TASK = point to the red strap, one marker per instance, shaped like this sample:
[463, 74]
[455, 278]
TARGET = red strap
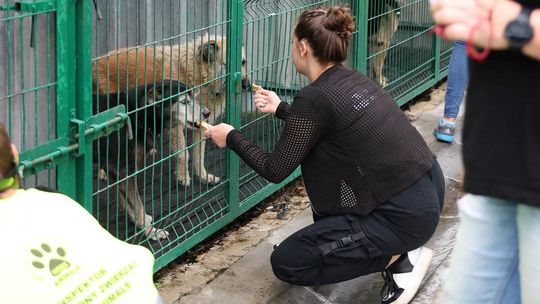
[471, 50]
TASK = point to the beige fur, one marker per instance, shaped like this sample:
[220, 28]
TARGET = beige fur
[379, 43]
[200, 64]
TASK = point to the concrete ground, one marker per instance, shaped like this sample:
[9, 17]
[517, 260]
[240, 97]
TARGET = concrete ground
[236, 268]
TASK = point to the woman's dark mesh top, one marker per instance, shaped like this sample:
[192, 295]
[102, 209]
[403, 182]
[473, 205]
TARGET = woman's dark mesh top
[356, 147]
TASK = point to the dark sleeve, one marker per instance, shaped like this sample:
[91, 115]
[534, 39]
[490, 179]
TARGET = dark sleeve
[283, 110]
[310, 116]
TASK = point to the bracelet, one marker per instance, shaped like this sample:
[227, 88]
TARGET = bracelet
[471, 50]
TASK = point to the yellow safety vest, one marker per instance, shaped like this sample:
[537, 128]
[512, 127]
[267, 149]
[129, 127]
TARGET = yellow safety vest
[53, 251]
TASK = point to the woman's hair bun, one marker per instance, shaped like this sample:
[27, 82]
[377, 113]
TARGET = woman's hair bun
[340, 20]
[327, 31]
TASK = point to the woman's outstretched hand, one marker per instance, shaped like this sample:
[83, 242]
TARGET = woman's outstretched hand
[218, 133]
[266, 101]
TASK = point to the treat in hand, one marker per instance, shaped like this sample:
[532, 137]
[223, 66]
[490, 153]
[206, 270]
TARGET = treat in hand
[256, 88]
[200, 124]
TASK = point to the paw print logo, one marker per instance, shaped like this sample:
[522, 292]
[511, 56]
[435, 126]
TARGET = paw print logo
[45, 257]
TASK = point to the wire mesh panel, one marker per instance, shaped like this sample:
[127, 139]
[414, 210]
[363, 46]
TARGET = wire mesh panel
[445, 53]
[166, 62]
[161, 184]
[401, 48]
[28, 81]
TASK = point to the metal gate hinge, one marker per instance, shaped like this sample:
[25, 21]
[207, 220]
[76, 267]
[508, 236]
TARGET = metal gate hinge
[30, 7]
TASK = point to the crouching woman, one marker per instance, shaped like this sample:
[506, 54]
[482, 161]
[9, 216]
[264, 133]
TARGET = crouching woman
[376, 190]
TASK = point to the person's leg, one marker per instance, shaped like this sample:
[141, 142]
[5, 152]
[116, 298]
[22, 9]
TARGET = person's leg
[302, 258]
[403, 277]
[484, 265]
[455, 90]
[314, 255]
[457, 81]
[529, 252]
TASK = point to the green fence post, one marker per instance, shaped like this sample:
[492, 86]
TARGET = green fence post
[73, 72]
[234, 86]
[437, 59]
[360, 10]
[65, 90]
[83, 97]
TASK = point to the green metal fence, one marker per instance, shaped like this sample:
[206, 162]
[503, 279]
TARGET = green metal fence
[161, 185]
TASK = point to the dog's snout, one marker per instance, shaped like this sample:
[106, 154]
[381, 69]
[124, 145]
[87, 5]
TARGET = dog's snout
[246, 83]
[206, 113]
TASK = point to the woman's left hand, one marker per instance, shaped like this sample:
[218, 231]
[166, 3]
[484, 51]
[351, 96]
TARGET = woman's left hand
[467, 20]
[218, 134]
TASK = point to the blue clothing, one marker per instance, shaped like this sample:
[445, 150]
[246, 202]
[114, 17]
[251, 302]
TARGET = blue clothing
[457, 80]
[495, 257]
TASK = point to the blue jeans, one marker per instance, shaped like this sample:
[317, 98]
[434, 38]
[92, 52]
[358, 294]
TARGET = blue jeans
[458, 75]
[496, 257]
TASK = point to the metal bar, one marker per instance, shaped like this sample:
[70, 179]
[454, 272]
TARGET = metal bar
[31, 7]
[233, 110]
[49, 95]
[192, 241]
[43, 149]
[23, 83]
[416, 91]
[360, 10]
[56, 151]
[437, 55]
[267, 191]
[47, 161]
[83, 97]
[65, 99]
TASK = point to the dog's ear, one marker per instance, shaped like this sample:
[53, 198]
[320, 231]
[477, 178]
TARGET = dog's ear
[167, 88]
[182, 87]
[208, 51]
[170, 88]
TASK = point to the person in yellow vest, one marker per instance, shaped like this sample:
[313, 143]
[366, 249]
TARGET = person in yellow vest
[55, 252]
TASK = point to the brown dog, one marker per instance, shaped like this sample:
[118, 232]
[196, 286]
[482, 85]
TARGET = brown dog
[201, 64]
[120, 158]
[382, 25]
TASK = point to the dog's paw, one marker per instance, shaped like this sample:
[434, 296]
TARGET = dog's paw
[184, 180]
[152, 152]
[383, 81]
[102, 175]
[210, 179]
[157, 234]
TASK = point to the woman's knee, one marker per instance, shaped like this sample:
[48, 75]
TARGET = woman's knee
[292, 268]
[278, 267]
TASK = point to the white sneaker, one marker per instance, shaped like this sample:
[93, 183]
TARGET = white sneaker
[402, 279]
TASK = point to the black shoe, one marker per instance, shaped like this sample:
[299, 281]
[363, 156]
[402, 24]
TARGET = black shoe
[402, 279]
